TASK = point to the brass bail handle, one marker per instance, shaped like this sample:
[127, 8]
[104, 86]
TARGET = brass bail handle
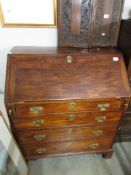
[41, 150]
[40, 136]
[97, 132]
[72, 117]
[103, 107]
[38, 122]
[36, 110]
[100, 119]
[94, 146]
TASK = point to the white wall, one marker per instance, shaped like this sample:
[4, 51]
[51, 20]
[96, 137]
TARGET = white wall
[127, 9]
[10, 37]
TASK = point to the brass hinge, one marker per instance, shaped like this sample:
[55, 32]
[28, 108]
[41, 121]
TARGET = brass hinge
[10, 112]
[126, 103]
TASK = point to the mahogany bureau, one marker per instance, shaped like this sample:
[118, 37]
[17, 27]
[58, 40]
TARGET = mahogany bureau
[65, 101]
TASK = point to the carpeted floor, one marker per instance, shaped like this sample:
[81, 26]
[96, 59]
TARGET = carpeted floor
[87, 164]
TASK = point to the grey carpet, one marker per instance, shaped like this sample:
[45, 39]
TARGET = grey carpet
[87, 164]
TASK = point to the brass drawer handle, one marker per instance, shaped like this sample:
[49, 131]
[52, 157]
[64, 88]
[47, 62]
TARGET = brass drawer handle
[94, 146]
[69, 59]
[41, 150]
[40, 136]
[72, 105]
[100, 119]
[36, 110]
[103, 107]
[97, 132]
[72, 117]
[38, 122]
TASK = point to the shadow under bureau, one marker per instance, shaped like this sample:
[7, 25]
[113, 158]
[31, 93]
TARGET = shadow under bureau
[65, 101]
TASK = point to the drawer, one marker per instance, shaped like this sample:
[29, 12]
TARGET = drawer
[66, 148]
[65, 134]
[66, 120]
[37, 109]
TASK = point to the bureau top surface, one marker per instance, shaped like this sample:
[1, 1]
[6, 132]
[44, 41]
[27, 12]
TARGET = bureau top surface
[38, 74]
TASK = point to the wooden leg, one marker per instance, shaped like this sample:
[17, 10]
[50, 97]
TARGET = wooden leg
[107, 155]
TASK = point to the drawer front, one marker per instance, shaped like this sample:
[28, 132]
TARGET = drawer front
[66, 148]
[65, 134]
[66, 120]
[32, 110]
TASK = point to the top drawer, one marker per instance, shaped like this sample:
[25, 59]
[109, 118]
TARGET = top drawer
[33, 109]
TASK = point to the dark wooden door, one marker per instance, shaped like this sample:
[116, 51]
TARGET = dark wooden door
[125, 46]
[88, 23]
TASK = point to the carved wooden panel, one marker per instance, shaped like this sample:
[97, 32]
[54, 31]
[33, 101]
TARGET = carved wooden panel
[65, 23]
[88, 23]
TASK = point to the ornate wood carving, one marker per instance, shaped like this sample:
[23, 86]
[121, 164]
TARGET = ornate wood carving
[65, 34]
[97, 26]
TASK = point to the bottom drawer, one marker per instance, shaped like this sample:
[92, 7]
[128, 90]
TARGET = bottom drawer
[66, 148]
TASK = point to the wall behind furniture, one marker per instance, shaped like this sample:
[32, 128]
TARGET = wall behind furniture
[127, 10]
[10, 37]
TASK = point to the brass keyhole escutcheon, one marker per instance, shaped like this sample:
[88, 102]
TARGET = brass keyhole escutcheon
[36, 110]
[103, 107]
[72, 105]
[69, 59]
[100, 119]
